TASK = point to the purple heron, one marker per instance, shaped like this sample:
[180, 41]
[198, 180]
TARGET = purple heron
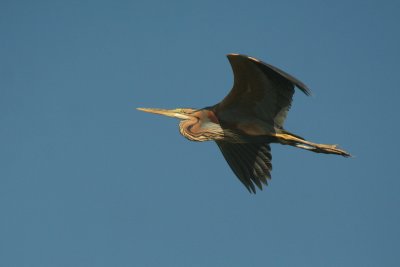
[248, 119]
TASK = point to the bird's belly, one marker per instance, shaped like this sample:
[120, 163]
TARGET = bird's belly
[256, 128]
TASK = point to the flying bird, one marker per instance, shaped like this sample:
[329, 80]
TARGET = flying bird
[248, 120]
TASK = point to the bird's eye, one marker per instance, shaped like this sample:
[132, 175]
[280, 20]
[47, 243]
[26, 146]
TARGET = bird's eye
[184, 111]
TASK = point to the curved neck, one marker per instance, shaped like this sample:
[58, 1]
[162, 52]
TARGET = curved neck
[200, 129]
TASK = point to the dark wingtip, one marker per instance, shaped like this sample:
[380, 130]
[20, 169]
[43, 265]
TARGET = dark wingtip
[252, 191]
[304, 89]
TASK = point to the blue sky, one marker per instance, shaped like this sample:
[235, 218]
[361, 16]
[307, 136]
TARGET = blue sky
[86, 180]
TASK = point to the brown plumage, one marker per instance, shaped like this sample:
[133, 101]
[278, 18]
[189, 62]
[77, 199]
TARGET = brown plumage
[248, 119]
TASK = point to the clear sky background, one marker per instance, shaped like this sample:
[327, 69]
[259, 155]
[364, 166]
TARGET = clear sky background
[86, 180]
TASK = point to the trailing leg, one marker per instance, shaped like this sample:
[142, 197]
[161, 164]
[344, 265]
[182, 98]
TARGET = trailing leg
[288, 139]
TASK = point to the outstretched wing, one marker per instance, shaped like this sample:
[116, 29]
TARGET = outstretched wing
[260, 90]
[251, 162]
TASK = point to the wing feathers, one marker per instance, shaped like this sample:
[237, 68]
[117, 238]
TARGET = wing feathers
[259, 91]
[236, 165]
[251, 162]
[284, 74]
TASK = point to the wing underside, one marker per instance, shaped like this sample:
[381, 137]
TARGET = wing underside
[251, 162]
[259, 91]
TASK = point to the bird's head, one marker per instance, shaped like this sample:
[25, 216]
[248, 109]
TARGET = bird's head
[179, 113]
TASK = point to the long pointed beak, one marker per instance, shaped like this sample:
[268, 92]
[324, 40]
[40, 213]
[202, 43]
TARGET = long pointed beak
[175, 113]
